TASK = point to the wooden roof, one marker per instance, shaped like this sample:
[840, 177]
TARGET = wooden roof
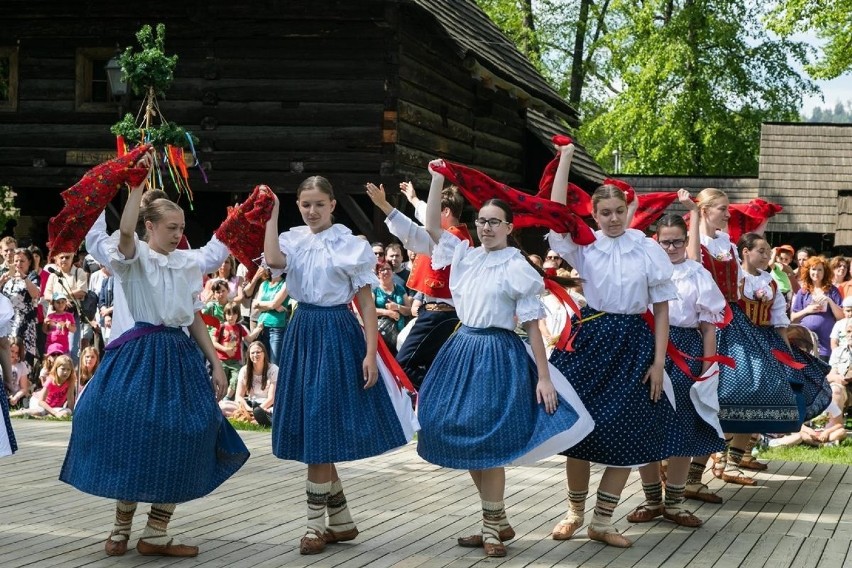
[544, 127]
[492, 55]
[804, 167]
[739, 189]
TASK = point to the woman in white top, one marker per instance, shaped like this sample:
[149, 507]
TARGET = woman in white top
[693, 316]
[330, 407]
[485, 402]
[134, 438]
[255, 383]
[617, 364]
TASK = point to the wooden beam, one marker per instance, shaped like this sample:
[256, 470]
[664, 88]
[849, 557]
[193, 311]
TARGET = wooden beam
[362, 222]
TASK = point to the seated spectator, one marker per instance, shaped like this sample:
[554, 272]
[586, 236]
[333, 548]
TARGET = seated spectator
[840, 376]
[53, 351]
[818, 434]
[838, 332]
[58, 395]
[59, 325]
[18, 385]
[393, 306]
[260, 393]
[89, 361]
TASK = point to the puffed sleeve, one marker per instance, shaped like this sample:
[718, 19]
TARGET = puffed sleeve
[212, 255]
[119, 263]
[778, 314]
[525, 286]
[358, 261]
[565, 247]
[449, 249]
[659, 269]
[711, 303]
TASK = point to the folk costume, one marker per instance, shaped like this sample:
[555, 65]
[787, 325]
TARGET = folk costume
[478, 406]
[168, 451]
[8, 445]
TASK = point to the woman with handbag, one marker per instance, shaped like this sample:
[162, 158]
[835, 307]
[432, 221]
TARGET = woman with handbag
[393, 305]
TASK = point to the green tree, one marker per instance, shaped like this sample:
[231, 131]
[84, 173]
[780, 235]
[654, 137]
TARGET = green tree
[831, 20]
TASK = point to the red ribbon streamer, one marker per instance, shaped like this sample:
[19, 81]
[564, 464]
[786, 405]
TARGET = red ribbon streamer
[787, 359]
[566, 339]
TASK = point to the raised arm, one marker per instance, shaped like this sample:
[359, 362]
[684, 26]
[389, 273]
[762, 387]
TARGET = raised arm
[433, 204]
[271, 249]
[693, 247]
[560, 180]
[130, 216]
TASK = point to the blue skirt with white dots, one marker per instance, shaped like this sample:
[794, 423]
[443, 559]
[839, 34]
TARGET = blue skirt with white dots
[323, 414]
[7, 436]
[816, 390]
[758, 394]
[690, 435]
[478, 410]
[612, 353]
[148, 428]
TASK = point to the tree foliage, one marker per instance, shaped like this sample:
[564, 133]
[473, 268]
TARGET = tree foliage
[831, 20]
[840, 114]
[149, 68]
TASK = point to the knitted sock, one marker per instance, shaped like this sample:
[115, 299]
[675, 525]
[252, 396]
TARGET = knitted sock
[124, 511]
[158, 521]
[493, 517]
[674, 497]
[735, 455]
[339, 518]
[696, 472]
[747, 457]
[576, 506]
[317, 500]
[604, 506]
[653, 494]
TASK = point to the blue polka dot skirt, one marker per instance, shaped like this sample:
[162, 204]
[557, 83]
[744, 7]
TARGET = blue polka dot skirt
[612, 353]
[8, 445]
[477, 407]
[148, 428]
[755, 396]
[816, 391]
[323, 414]
[690, 435]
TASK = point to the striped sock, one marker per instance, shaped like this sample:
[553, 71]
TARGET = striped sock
[653, 493]
[604, 506]
[158, 522]
[493, 517]
[317, 500]
[735, 455]
[674, 496]
[339, 518]
[696, 472]
[577, 505]
[124, 511]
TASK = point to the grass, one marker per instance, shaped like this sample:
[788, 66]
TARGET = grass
[841, 454]
[248, 426]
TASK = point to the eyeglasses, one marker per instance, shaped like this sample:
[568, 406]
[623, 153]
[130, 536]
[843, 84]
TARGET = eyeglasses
[677, 243]
[493, 223]
[377, 253]
[384, 270]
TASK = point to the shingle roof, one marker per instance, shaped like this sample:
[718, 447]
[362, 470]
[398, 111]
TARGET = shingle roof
[544, 127]
[739, 189]
[476, 37]
[803, 166]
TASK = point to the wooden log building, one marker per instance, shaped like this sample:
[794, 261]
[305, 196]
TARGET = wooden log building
[277, 91]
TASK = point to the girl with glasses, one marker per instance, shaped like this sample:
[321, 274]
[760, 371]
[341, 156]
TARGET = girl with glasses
[488, 401]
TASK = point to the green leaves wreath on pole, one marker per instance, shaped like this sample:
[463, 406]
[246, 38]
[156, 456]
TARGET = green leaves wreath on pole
[150, 72]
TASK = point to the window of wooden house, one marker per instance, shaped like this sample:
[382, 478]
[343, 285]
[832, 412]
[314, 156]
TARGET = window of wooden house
[92, 88]
[8, 78]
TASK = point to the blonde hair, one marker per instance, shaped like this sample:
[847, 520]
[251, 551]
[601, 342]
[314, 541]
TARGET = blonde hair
[709, 196]
[156, 209]
[60, 361]
[607, 191]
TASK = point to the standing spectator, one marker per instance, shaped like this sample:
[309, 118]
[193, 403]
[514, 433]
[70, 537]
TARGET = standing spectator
[73, 280]
[817, 304]
[393, 256]
[7, 248]
[804, 254]
[59, 325]
[228, 341]
[839, 266]
[553, 256]
[393, 305]
[227, 272]
[379, 251]
[274, 307]
[783, 274]
[218, 299]
[22, 289]
[106, 297]
[250, 291]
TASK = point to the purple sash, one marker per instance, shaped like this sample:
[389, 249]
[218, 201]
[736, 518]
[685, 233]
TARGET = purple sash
[135, 332]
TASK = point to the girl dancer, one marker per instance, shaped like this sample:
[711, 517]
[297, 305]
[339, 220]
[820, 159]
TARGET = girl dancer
[8, 445]
[754, 396]
[618, 361]
[134, 438]
[485, 402]
[692, 317]
[328, 408]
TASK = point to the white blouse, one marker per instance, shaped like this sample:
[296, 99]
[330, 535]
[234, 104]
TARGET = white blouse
[327, 268]
[159, 289]
[490, 288]
[760, 286]
[698, 297]
[722, 248]
[623, 275]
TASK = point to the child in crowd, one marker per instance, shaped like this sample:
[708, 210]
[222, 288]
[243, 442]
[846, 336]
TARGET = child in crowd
[89, 359]
[59, 325]
[838, 332]
[59, 393]
[18, 384]
[228, 341]
[216, 306]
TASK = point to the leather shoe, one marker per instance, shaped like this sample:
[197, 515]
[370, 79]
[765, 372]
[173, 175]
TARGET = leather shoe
[565, 529]
[645, 513]
[312, 545]
[494, 550]
[475, 540]
[115, 547]
[331, 537]
[168, 549]
[612, 538]
[703, 493]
